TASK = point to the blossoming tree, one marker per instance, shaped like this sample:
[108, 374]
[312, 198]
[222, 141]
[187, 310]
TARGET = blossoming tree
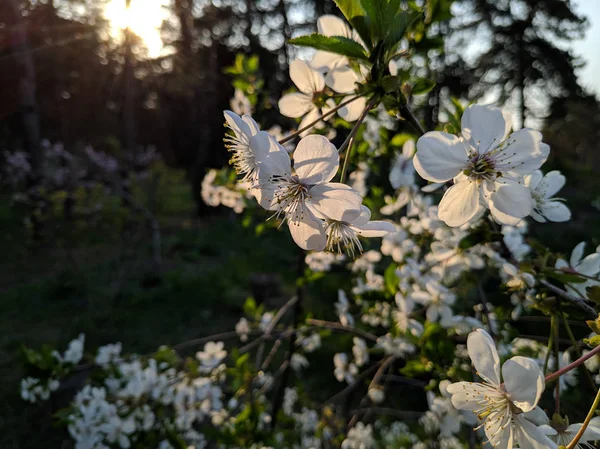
[425, 316]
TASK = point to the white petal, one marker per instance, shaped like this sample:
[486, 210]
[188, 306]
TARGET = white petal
[306, 79]
[460, 204]
[271, 158]
[577, 254]
[522, 153]
[537, 217]
[254, 128]
[440, 156]
[483, 126]
[316, 160]
[237, 125]
[533, 179]
[431, 187]
[547, 430]
[510, 202]
[551, 184]
[483, 354]
[364, 217]
[408, 149]
[330, 25]
[353, 110]
[555, 211]
[335, 201]
[524, 382]
[309, 118]
[529, 436]
[498, 429]
[377, 228]
[295, 105]
[342, 79]
[468, 395]
[590, 265]
[591, 433]
[308, 231]
[537, 416]
[324, 61]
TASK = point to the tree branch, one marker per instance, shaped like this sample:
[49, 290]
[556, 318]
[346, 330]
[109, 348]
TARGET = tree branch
[577, 302]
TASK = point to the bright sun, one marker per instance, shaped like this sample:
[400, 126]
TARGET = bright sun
[144, 18]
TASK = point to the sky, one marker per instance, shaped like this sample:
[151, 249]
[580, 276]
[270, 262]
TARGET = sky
[589, 48]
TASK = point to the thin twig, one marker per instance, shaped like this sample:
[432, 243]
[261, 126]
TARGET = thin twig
[350, 139]
[555, 375]
[578, 352]
[351, 387]
[486, 309]
[296, 312]
[407, 114]
[557, 359]
[405, 414]
[341, 328]
[280, 314]
[570, 298]
[321, 117]
[216, 337]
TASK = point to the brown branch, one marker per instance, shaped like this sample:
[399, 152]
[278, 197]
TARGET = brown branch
[577, 302]
[341, 328]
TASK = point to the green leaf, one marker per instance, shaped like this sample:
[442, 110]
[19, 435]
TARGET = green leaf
[334, 44]
[375, 13]
[350, 8]
[563, 277]
[593, 342]
[594, 325]
[355, 14]
[399, 25]
[391, 279]
[400, 139]
[593, 293]
[391, 83]
[415, 368]
[422, 86]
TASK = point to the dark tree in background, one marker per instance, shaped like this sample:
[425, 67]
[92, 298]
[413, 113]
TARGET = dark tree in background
[519, 49]
[89, 88]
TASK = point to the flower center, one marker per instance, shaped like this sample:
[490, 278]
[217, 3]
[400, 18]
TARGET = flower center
[290, 196]
[482, 167]
[341, 237]
[243, 159]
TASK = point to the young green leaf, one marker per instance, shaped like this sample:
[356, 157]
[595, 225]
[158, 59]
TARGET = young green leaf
[334, 44]
[355, 14]
[422, 86]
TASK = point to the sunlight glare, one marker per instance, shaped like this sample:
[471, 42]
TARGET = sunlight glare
[144, 18]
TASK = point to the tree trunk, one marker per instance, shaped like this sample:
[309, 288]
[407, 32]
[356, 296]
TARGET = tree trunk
[29, 115]
[27, 92]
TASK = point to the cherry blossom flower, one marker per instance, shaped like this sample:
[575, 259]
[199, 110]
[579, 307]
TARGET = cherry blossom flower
[487, 165]
[359, 437]
[240, 104]
[562, 435]
[254, 151]
[343, 370]
[340, 76]
[307, 197]
[402, 173]
[438, 301]
[311, 102]
[343, 235]
[543, 187]
[500, 405]
[587, 266]
[212, 355]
